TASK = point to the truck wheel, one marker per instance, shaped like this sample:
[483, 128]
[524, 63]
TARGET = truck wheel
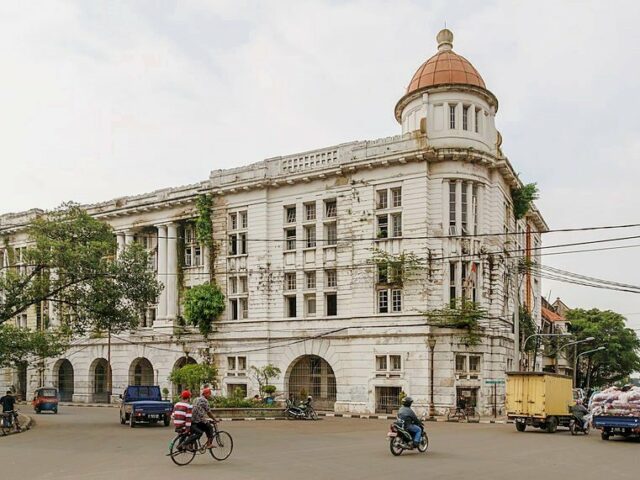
[521, 426]
[132, 421]
[166, 420]
[552, 425]
[604, 436]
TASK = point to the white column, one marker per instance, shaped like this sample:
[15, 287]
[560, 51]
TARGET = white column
[128, 237]
[120, 241]
[469, 187]
[172, 271]
[458, 207]
[162, 271]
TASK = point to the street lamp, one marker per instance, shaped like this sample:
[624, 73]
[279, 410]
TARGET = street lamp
[431, 340]
[586, 353]
[575, 352]
[524, 346]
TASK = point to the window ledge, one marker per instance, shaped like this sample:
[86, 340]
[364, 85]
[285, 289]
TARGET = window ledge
[237, 255]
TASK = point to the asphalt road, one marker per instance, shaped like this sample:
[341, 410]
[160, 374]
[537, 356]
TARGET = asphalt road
[90, 443]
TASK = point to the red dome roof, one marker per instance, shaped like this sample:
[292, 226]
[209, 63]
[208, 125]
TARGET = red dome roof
[445, 67]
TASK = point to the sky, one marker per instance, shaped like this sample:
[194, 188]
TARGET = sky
[104, 99]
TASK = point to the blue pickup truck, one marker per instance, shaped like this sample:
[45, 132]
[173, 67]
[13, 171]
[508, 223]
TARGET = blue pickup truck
[610, 425]
[143, 403]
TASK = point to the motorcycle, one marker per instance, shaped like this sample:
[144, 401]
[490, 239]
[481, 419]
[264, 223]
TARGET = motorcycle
[577, 426]
[400, 439]
[304, 411]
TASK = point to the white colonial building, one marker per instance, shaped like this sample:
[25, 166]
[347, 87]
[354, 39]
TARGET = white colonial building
[296, 242]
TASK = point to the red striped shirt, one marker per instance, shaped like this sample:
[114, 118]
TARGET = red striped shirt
[182, 414]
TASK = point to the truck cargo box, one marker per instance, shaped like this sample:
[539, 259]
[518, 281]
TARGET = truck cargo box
[538, 394]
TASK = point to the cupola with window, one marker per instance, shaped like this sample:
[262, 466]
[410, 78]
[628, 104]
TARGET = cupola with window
[448, 101]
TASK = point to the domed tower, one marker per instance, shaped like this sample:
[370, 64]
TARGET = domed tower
[448, 100]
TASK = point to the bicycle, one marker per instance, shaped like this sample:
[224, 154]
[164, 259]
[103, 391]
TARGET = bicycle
[9, 421]
[457, 414]
[182, 454]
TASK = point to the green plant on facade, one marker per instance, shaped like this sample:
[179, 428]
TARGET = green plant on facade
[522, 198]
[203, 304]
[527, 328]
[395, 269]
[204, 227]
[461, 314]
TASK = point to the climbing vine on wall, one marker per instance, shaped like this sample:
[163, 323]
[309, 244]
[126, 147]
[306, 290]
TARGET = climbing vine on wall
[204, 227]
[396, 269]
[461, 314]
[522, 198]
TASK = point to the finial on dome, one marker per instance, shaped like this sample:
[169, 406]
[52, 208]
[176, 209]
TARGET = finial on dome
[445, 40]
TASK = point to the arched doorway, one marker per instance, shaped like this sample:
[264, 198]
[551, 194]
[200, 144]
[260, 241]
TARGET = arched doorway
[63, 373]
[312, 375]
[141, 372]
[98, 379]
[181, 362]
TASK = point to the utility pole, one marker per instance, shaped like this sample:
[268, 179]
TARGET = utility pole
[516, 325]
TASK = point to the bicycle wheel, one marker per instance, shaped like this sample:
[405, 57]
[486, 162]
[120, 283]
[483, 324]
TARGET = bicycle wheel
[180, 457]
[224, 446]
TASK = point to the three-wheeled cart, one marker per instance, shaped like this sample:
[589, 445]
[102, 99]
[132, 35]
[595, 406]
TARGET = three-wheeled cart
[610, 425]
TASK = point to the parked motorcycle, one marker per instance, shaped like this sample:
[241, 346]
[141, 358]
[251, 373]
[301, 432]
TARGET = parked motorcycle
[304, 411]
[577, 426]
[400, 439]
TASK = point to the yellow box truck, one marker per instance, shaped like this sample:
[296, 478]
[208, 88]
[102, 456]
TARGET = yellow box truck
[540, 399]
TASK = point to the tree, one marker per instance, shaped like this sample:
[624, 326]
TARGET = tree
[70, 262]
[263, 375]
[461, 314]
[21, 345]
[202, 305]
[193, 376]
[618, 360]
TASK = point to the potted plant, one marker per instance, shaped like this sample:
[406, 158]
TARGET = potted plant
[269, 390]
[165, 393]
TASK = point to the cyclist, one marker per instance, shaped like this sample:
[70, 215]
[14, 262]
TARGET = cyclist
[182, 411]
[8, 405]
[411, 421]
[201, 411]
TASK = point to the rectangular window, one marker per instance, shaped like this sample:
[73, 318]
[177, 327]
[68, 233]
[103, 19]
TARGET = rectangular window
[396, 197]
[244, 307]
[290, 235]
[244, 288]
[331, 233]
[396, 300]
[452, 283]
[381, 363]
[396, 220]
[465, 117]
[310, 305]
[233, 244]
[474, 363]
[244, 222]
[383, 301]
[330, 208]
[464, 209]
[310, 280]
[383, 226]
[187, 256]
[452, 208]
[290, 214]
[452, 117]
[382, 199]
[290, 281]
[478, 119]
[233, 303]
[331, 279]
[310, 236]
[243, 243]
[233, 285]
[197, 255]
[331, 300]
[231, 363]
[310, 211]
[396, 362]
[474, 208]
[383, 272]
[461, 363]
[291, 304]
[233, 221]
[242, 363]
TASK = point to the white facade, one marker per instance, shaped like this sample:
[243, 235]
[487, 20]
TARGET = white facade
[295, 239]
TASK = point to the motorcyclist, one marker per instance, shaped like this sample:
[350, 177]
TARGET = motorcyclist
[579, 411]
[411, 421]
